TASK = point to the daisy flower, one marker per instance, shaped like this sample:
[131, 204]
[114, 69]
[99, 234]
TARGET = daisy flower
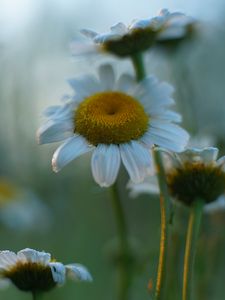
[119, 120]
[139, 36]
[21, 209]
[176, 26]
[193, 174]
[34, 271]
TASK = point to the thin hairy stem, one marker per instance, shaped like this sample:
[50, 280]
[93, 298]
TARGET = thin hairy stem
[139, 68]
[165, 219]
[190, 249]
[125, 256]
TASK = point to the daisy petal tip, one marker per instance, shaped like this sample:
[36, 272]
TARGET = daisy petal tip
[55, 166]
[39, 137]
[88, 33]
[104, 184]
[78, 272]
[58, 272]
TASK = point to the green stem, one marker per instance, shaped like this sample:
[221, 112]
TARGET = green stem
[137, 60]
[190, 249]
[138, 64]
[36, 295]
[165, 218]
[124, 251]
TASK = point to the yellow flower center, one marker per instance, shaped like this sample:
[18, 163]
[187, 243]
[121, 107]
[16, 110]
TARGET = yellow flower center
[7, 191]
[110, 118]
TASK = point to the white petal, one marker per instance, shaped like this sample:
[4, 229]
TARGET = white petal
[221, 162]
[209, 154]
[164, 12]
[34, 256]
[148, 186]
[89, 33]
[169, 116]
[58, 272]
[218, 205]
[147, 140]
[168, 135]
[105, 164]
[119, 28]
[154, 94]
[172, 33]
[206, 155]
[141, 24]
[53, 131]
[84, 48]
[136, 159]
[180, 20]
[157, 125]
[201, 140]
[51, 110]
[65, 111]
[7, 258]
[106, 76]
[71, 149]
[84, 86]
[104, 37]
[125, 83]
[78, 272]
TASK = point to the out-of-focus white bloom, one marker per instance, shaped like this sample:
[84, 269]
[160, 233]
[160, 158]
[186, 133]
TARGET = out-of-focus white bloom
[194, 173]
[169, 25]
[139, 36]
[21, 209]
[218, 205]
[175, 25]
[201, 141]
[119, 120]
[34, 271]
[148, 186]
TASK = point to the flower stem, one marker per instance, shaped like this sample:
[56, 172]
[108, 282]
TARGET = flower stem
[36, 296]
[165, 218]
[138, 64]
[137, 60]
[125, 256]
[190, 249]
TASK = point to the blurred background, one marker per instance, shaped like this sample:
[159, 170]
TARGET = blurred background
[68, 215]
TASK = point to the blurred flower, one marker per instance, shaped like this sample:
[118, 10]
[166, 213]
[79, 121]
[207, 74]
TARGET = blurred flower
[33, 271]
[201, 140]
[139, 36]
[177, 27]
[193, 174]
[118, 119]
[21, 209]
[148, 186]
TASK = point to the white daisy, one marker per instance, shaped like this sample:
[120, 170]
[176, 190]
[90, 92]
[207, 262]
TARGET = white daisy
[34, 271]
[119, 120]
[140, 35]
[194, 173]
[21, 209]
[175, 26]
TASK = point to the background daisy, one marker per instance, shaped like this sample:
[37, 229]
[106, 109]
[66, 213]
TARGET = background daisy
[36, 272]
